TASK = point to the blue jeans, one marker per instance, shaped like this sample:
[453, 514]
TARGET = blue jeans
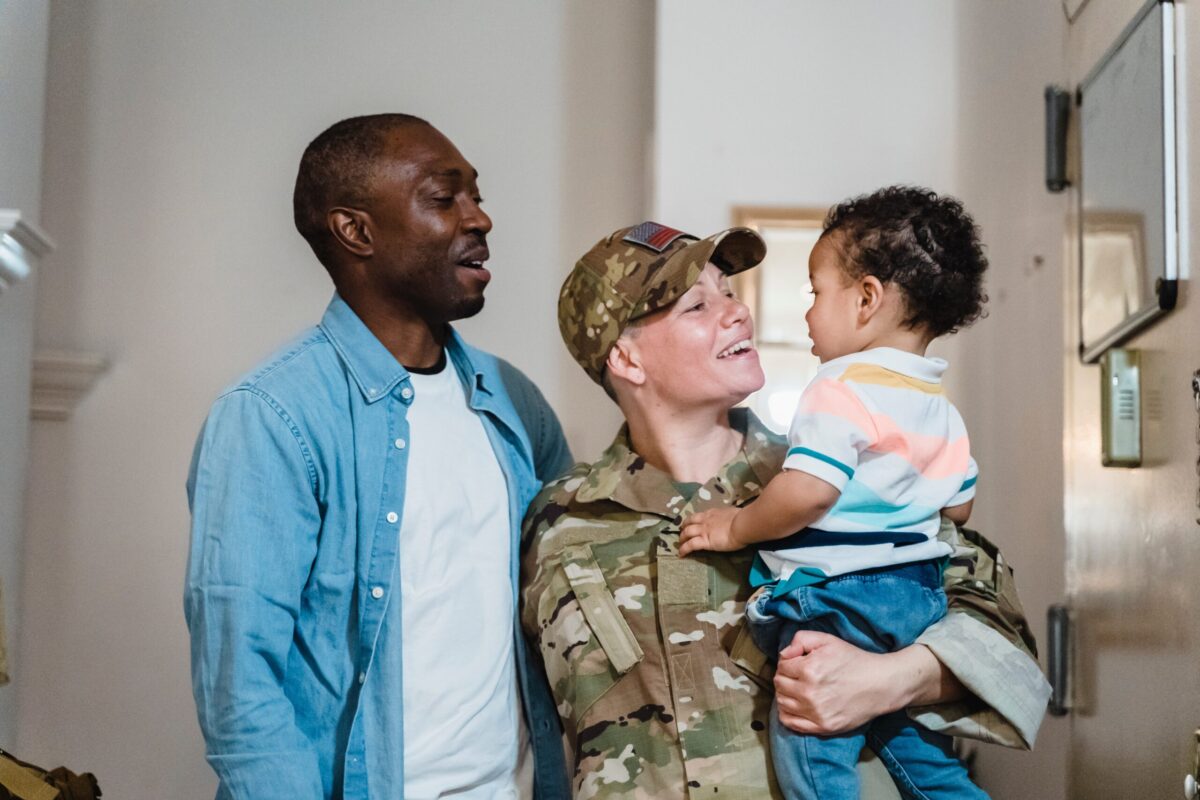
[879, 610]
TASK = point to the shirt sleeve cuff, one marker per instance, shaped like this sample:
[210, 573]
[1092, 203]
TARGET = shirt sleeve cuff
[1010, 693]
[819, 465]
[967, 492]
[268, 776]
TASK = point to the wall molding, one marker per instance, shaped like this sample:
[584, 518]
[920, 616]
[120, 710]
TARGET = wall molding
[61, 380]
[21, 245]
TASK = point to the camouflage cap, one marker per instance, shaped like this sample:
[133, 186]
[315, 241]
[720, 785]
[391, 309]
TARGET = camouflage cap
[634, 272]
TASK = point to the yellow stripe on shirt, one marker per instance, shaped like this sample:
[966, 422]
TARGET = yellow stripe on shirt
[881, 376]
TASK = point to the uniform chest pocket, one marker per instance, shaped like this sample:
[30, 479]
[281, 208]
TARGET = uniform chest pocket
[585, 641]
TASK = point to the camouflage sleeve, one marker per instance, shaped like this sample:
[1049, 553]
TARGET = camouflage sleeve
[533, 570]
[986, 642]
[536, 573]
[537, 568]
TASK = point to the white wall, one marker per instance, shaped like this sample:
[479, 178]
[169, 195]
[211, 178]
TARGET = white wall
[781, 103]
[23, 36]
[173, 134]
[803, 104]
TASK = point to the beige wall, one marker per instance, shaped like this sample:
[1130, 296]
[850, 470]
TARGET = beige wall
[173, 134]
[23, 36]
[1011, 392]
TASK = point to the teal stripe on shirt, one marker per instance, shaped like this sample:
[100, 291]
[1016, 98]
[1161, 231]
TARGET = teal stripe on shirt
[968, 483]
[859, 505]
[804, 451]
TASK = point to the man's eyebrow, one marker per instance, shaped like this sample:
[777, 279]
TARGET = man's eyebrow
[454, 172]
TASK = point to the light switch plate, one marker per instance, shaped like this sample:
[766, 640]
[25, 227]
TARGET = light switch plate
[1121, 408]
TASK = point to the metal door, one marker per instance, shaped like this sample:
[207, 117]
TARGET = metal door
[1133, 540]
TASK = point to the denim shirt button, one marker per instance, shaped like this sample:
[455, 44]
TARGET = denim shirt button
[392, 517]
[377, 592]
[406, 393]
[362, 678]
[400, 444]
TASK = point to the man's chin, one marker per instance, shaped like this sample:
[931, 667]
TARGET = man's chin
[468, 307]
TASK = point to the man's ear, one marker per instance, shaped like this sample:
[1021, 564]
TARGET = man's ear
[350, 228]
[870, 298]
[625, 362]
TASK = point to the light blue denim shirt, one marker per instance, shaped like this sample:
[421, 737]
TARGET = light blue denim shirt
[296, 489]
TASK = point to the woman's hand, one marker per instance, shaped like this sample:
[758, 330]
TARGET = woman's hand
[824, 685]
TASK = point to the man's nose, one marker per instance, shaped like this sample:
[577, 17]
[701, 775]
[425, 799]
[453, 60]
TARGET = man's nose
[476, 219]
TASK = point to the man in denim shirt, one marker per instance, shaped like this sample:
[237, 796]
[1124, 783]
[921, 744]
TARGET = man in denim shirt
[351, 586]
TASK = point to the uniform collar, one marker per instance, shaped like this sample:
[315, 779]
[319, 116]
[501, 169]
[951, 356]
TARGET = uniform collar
[376, 371]
[622, 476]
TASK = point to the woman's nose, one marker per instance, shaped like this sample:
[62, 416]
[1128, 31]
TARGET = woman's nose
[736, 311]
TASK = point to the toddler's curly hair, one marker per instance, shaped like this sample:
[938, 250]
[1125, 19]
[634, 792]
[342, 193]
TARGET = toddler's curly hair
[925, 244]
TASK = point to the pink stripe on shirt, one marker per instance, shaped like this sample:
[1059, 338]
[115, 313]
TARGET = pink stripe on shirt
[931, 456]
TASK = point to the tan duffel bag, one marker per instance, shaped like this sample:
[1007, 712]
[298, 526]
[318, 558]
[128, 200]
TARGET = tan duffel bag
[22, 781]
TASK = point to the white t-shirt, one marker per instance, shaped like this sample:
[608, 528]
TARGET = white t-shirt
[464, 734]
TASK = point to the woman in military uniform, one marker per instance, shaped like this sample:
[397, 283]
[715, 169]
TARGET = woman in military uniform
[660, 690]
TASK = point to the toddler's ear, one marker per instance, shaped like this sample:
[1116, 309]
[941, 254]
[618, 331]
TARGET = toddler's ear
[870, 297]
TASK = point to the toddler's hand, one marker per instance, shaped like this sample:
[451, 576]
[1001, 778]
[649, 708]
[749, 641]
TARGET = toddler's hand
[709, 530]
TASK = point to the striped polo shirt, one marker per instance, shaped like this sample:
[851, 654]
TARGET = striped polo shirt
[878, 427]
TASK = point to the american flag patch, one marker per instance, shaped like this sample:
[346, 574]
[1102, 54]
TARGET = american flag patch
[656, 237]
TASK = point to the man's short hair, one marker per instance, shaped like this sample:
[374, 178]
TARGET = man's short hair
[338, 169]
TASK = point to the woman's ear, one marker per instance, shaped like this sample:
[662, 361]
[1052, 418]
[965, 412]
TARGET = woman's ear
[625, 362]
[870, 298]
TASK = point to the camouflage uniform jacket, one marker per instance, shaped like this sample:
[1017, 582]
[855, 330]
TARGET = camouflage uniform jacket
[659, 687]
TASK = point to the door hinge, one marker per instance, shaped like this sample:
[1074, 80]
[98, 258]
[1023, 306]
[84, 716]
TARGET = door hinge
[1058, 658]
[1191, 782]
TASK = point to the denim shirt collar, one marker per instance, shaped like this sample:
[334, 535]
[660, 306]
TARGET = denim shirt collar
[376, 371]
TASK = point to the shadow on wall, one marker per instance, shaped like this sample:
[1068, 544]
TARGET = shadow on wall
[608, 107]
